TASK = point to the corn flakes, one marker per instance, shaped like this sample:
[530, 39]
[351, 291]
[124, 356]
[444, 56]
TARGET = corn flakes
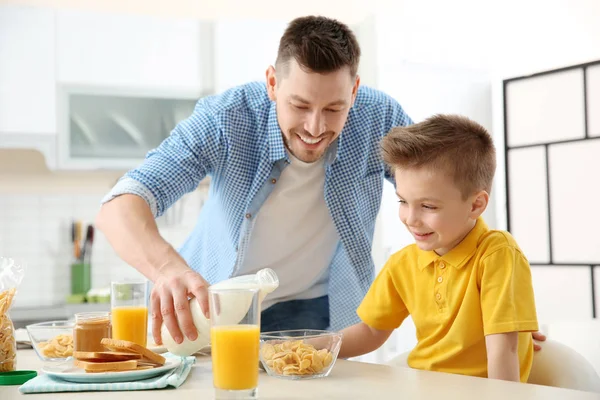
[8, 345]
[295, 358]
[60, 346]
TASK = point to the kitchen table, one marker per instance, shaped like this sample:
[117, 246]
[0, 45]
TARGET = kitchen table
[348, 380]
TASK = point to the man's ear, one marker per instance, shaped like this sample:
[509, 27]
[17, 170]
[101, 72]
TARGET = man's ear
[355, 89]
[271, 82]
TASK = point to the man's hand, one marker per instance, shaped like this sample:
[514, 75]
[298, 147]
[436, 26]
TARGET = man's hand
[172, 289]
[539, 336]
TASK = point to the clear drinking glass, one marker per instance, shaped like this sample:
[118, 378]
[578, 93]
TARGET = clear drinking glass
[235, 341]
[129, 311]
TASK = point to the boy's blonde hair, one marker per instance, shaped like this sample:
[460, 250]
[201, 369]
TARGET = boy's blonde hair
[454, 144]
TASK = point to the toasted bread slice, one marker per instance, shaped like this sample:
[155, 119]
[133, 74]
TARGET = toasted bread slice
[148, 356]
[104, 356]
[106, 366]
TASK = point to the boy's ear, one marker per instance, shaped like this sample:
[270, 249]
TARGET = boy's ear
[479, 203]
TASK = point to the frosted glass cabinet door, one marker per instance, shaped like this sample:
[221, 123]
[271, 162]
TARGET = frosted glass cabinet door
[528, 205]
[545, 108]
[562, 293]
[574, 193]
[593, 100]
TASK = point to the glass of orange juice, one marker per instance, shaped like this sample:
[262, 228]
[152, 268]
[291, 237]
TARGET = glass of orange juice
[235, 336]
[129, 311]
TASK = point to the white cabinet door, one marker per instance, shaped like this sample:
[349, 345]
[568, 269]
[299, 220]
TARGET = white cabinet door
[244, 49]
[132, 51]
[27, 71]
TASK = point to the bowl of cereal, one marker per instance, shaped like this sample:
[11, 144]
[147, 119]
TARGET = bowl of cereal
[52, 340]
[299, 354]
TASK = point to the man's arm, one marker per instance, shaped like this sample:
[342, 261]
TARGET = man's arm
[361, 339]
[502, 356]
[131, 230]
[195, 148]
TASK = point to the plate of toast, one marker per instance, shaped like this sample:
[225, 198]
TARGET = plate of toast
[122, 361]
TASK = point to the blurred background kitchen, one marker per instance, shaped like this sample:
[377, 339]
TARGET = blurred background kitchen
[88, 87]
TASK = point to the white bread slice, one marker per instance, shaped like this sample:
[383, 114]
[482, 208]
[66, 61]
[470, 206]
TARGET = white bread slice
[106, 366]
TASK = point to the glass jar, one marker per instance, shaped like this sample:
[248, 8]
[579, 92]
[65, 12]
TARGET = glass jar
[90, 328]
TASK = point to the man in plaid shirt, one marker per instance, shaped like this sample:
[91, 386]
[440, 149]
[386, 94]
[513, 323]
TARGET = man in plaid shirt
[296, 185]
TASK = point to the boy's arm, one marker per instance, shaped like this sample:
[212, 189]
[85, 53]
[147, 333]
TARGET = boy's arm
[503, 357]
[507, 306]
[361, 339]
[381, 311]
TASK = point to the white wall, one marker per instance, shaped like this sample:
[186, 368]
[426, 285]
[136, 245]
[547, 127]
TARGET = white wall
[36, 210]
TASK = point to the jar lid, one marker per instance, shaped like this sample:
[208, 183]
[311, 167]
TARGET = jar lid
[93, 317]
[16, 377]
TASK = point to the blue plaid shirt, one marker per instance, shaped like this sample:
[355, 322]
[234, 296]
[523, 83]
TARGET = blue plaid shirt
[234, 138]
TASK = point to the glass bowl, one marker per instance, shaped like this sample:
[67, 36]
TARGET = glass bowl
[52, 340]
[299, 354]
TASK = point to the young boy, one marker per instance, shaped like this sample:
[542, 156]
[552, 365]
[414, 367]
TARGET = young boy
[467, 288]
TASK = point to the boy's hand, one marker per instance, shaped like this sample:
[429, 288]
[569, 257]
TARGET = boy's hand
[539, 336]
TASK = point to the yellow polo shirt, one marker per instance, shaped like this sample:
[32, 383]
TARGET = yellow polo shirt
[481, 287]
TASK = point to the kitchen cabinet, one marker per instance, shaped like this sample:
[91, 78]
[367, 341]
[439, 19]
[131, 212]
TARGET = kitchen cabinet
[27, 74]
[124, 82]
[133, 51]
[105, 129]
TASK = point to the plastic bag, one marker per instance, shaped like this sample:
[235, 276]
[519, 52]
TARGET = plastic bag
[11, 275]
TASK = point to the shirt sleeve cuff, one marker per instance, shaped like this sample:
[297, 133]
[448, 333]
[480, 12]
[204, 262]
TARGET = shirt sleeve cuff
[131, 186]
[521, 326]
[373, 322]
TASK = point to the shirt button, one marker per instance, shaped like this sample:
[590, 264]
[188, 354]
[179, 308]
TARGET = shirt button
[438, 296]
[273, 180]
[442, 265]
[248, 216]
[440, 279]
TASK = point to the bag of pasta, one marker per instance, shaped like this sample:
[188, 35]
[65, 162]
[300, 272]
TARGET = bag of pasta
[11, 275]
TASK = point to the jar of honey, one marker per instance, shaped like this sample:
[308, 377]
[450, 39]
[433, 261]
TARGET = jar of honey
[90, 328]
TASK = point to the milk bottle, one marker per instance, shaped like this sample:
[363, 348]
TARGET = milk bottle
[233, 306]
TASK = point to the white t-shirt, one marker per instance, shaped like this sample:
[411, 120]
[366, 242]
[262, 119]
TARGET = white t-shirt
[294, 234]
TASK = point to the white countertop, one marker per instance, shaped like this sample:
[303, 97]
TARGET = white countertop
[348, 380]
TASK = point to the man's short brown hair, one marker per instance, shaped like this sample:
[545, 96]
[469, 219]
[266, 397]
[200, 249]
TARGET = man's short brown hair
[453, 144]
[319, 44]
